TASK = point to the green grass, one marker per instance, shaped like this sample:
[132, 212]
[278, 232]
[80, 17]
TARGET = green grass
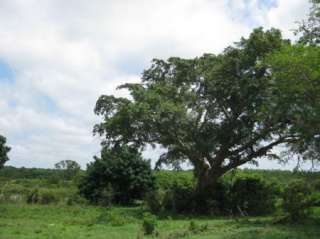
[20, 221]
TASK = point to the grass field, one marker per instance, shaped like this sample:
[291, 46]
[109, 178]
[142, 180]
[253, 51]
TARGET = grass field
[21, 221]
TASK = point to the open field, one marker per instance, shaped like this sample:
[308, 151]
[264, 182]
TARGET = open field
[20, 221]
[59, 219]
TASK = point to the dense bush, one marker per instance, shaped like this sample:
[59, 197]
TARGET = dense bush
[297, 200]
[124, 169]
[42, 197]
[181, 198]
[33, 196]
[243, 195]
[252, 196]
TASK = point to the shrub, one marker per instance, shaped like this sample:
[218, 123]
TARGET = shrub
[155, 201]
[297, 200]
[107, 196]
[124, 169]
[149, 223]
[179, 198]
[316, 185]
[252, 195]
[48, 197]
[33, 196]
[74, 199]
[41, 197]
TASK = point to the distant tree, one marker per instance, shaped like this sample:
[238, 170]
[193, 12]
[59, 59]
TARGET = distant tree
[218, 112]
[121, 168]
[71, 168]
[3, 151]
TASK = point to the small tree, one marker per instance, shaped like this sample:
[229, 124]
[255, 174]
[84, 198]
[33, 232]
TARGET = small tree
[3, 151]
[124, 169]
[70, 168]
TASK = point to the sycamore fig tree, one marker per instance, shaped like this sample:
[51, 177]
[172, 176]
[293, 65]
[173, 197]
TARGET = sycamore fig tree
[3, 151]
[218, 112]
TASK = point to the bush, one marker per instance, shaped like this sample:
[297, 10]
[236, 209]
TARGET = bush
[48, 197]
[124, 169]
[41, 197]
[316, 185]
[178, 199]
[297, 200]
[107, 196]
[252, 196]
[74, 199]
[33, 196]
[181, 198]
[155, 201]
[149, 224]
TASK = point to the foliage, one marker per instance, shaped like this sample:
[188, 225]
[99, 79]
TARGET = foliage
[33, 196]
[124, 169]
[155, 201]
[178, 197]
[112, 217]
[252, 196]
[42, 197]
[4, 150]
[297, 200]
[218, 112]
[310, 29]
[69, 168]
[296, 69]
[75, 199]
[149, 224]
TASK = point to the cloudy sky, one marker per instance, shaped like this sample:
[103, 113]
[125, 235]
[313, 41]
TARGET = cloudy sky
[57, 57]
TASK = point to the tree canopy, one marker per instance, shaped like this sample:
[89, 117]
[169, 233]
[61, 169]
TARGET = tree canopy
[122, 171]
[4, 150]
[310, 28]
[218, 112]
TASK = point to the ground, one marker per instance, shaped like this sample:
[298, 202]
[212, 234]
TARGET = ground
[22, 221]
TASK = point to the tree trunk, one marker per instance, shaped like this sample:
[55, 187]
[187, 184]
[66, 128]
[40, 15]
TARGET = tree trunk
[207, 181]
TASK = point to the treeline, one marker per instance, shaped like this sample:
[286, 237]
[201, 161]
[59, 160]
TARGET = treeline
[166, 177]
[9, 172]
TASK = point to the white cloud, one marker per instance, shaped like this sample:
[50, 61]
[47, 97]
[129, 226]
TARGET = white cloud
[67, 53]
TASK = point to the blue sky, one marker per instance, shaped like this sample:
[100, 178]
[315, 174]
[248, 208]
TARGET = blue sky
[57, 57]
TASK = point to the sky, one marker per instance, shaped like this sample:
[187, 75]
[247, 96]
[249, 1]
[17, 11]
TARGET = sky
[57, 57]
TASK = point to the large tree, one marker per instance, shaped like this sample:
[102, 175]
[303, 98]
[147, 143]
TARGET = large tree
[217, 111]
[3, 151]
